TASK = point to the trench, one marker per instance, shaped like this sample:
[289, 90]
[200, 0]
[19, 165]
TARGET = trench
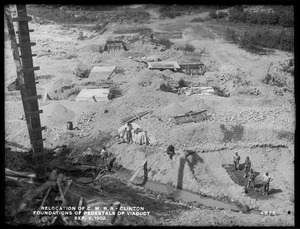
[185, 195]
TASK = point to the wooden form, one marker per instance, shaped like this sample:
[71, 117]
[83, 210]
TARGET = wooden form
[114, 46]
[164, 65]
[191, 117]
[26, 81]
[134, 117]
[59, 183]
[192, 69]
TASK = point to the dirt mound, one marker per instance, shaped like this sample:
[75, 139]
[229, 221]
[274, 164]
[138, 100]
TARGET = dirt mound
[174, 109]
[178, 76]
[149, 77]
[55, 114]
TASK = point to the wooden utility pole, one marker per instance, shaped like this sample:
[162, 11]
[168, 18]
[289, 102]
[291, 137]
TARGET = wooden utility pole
[27, 83]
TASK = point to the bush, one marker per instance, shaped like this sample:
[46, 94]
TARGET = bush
[97, 27]
[283, 16]
[189, 48]
[287, 19]
[81, 71]
[80, 36]
[231, 35]
[162, 41]
[213, 14]
[169, 12]
[182, 83]
[257, 40]
[234, 15]
[222, 14]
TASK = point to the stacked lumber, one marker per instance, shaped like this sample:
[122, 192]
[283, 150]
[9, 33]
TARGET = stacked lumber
[18, 178]
[191, 117]
[134, 117]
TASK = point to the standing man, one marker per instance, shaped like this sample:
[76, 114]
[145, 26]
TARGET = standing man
[129, 132]
[247, 166]
[236, 161]
[250, 181]
[171, 151]
[266, 183]
[104, 155]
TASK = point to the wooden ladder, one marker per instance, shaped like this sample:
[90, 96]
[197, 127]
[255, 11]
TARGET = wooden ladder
[26, 80]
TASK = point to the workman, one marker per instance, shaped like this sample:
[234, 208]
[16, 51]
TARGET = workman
[111, 164]
[247, 166]
[104, 155]
[266, 183]
[250, 181]
[171, 151]
[129, 132]
[236, 161]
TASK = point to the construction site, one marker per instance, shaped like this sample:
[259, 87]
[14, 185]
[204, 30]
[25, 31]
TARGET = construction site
[136, 121]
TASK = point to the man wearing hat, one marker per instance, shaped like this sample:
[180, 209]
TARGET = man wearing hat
[266, 183]
[236, 161]
[250, 180]
[247, 166]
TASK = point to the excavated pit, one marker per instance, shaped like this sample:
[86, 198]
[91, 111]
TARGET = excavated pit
[210, 174]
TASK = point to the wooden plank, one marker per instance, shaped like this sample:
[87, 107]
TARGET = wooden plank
[137, 171]
[53, 175]
[31, 113]
[80, 202]
[28, 85]
[134, 117]
[30, 69]
[25, 31]
[24, 18]
[111, 74]
[58, 183]
[36, 97]
[38, 129]
[69, 182]
[26, 44]
[20, 179]
[59, 198]
[186, 120]
[112, 219]
[31, 55]
[28, 58]
[12, 173]
[59, 179]
[45, 197]
[191, 113]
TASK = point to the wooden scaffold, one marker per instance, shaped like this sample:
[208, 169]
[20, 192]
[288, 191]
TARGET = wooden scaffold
[27, 83]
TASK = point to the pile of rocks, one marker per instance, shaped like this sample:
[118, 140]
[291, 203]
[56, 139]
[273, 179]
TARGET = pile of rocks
[83, 123]
[276, 117]
[242, 117]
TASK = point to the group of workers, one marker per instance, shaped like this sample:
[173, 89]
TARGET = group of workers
[131, 135]
[250, 175]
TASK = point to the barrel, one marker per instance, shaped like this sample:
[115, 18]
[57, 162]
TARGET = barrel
[70, 125]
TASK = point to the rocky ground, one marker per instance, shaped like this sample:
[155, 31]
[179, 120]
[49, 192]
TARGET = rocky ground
[256, 120]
